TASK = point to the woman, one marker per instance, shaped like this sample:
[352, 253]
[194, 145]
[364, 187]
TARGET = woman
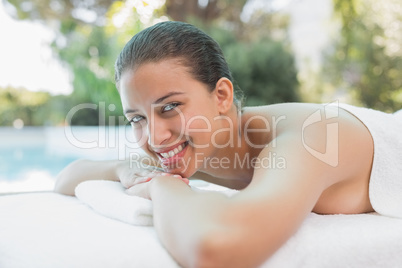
[288, 159]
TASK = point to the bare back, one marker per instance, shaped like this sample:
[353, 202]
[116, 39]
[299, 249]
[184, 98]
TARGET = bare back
[340, 136]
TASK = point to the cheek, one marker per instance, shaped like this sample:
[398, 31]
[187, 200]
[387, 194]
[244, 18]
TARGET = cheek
[140, 136]
[198, 125]
[199, 128]
[141, 140]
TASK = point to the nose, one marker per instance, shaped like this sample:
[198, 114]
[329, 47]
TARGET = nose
[158, 132]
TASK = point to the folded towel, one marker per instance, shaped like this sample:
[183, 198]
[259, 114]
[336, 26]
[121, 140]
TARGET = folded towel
[109, 199]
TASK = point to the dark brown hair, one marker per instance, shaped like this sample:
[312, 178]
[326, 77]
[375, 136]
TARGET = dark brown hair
[171, 39]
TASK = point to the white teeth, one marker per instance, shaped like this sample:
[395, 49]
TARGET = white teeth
[173, 152]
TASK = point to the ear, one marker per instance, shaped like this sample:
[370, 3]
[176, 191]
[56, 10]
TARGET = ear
[224, 95]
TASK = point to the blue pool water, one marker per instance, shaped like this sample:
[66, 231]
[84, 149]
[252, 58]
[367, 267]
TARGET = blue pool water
[31, 158]
[17, 161]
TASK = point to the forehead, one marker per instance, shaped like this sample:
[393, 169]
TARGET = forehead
[153, 72]
[152, 79]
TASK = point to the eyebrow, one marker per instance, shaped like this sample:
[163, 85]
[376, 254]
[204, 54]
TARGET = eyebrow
[170, 94]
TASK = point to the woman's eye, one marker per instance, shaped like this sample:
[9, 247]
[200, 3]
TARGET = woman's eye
[170, 106]
[136, 119]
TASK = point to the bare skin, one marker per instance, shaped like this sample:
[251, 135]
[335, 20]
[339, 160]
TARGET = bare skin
[212, 230]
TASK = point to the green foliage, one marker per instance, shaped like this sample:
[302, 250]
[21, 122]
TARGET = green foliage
[59, 10]
[263, 69]
[22, 104]
[89, 51]
[90, 54]
[360, 64]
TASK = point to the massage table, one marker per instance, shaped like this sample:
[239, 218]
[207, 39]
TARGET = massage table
[46, 229]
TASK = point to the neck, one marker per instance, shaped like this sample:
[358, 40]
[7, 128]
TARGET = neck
[235, 160]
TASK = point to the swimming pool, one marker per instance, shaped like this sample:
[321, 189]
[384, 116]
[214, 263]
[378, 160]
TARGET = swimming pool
[31, 158]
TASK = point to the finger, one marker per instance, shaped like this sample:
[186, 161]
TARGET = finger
[139, 190]
[142, 180]
[132, 190]
[143, 173]
[178, 177]
[167, 174]
[152, 174]
[128, 182]
[154, 169]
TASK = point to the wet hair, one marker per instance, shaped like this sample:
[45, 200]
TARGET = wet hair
[171, 39]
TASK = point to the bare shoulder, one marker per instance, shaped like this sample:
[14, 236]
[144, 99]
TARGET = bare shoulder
[328, 133]
[320, 145]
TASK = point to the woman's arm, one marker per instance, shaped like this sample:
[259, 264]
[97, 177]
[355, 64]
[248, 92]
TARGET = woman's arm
[118, 170]
[212, 230]
[234, 183]
[83, 170]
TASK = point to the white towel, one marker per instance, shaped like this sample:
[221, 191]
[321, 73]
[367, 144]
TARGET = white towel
[385, 189]
[108, 198]
[46, 230]
[398, 114]
[333, 241]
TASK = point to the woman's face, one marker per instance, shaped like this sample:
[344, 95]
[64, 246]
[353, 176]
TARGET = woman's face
[172, 115]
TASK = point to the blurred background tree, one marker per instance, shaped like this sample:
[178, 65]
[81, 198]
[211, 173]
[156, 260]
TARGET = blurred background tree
[366, 61]
[362, 66]
[90, 35]
[23, 103]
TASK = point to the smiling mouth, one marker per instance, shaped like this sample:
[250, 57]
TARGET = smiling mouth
[173, 152]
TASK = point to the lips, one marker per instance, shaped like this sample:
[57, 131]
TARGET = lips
[173, 155]
[174, 151]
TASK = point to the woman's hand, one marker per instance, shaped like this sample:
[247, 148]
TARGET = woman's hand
[130, 174]
[142, 184]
